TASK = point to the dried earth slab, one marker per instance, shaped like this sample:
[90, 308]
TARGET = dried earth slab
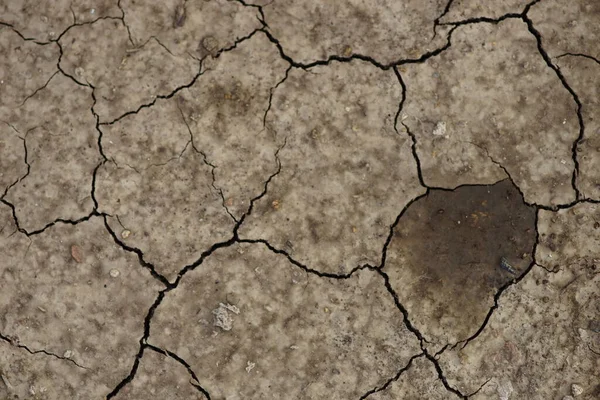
[490, 104]
[74, 294]
[545, 335]
[419, 381]
[444, 257]
[169, 211]
[345, 172]
[253, 325]
[461, 10]
[197, 27]
[225, 110]
[24, 68]
[160, 377]
[58, 128]
[46, 21]
[583, 74]
[568, 26]
[391, 31]
[124, 76]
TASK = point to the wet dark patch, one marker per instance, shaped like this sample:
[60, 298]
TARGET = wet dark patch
[444, 258]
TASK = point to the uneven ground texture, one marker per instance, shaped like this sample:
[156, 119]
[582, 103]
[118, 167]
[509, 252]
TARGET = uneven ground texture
[300, 199]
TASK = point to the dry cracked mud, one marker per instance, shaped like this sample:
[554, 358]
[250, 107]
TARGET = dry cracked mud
[300, 199]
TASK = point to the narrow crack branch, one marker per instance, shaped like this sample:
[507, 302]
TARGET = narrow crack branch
[194, 381]
[15, 343]
[159, 97]
[579, 55]
[208, 163]
[298, 264]
[272, 90]
[50, 224]
[39, 89]
[393, 379]
[504, 287]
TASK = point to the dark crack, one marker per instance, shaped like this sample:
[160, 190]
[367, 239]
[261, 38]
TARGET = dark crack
[579, 55]
[260, 17]
[160, 96]
[298, 264]
[208, 163]
[436, 22]
[271, 91]
[306, 66]
[185, 86]
[393, 379]
[124, 23]
[194, 381]
[476, 20]
[409, 325]
[39, 89]
[15, 343]
[49, 224]
[412, 135]
[150, 267]
[26, 159]
[143, 341]
[442, 377]
[566, 85]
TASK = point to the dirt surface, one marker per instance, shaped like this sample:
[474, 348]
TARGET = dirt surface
[293, 199]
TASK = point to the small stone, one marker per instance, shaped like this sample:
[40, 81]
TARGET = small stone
[92, 11]
[68, 354]
[114, 273]
[76, 253]
[125, 234]
[576, 390]
[347, 51]
[276, 204]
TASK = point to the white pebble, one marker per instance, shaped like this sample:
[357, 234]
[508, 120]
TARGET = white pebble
[114, 273]
[68, 354]
[440, 129]
[576, 389]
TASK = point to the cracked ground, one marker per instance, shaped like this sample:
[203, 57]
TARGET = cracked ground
[300, 199]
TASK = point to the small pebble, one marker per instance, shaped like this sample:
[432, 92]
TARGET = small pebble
[76, 253]
[68, 354]
[576, 390]
[125, 234]
[114, 273]
[92, 11]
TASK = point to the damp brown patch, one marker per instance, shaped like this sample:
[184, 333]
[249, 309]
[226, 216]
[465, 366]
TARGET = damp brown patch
[444, 258]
